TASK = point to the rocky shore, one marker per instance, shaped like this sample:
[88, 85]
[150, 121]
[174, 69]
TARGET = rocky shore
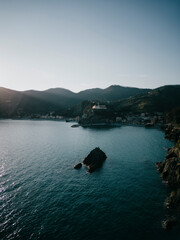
[170, 173]
[170, 170]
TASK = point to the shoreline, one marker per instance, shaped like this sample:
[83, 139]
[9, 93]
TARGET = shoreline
[169, 170]
[160, 126]
[156, 126]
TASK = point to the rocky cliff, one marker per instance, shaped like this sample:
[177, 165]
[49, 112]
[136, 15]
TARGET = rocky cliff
[170, 167]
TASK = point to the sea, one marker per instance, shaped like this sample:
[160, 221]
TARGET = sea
[43, 197]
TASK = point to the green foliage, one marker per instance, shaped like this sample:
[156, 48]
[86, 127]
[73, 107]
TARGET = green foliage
[178, 144]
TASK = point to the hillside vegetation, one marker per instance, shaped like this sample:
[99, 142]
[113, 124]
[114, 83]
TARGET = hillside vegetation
[64, 102]
[162, 99]
[13, 103]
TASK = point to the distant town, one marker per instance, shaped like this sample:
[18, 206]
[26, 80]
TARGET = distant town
[101, 114]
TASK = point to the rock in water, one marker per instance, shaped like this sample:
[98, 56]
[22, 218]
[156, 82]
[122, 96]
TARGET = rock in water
[169, 223]
[95, 159]
[78, 166]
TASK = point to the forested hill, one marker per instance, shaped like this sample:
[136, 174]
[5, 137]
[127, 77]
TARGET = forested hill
[162, 99]
[13, 102]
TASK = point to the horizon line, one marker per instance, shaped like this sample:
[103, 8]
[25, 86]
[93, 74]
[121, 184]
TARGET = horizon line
[86, 88]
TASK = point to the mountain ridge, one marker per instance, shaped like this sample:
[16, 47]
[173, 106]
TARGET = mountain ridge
[13, 102]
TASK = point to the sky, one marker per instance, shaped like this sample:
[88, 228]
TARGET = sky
[81, 44]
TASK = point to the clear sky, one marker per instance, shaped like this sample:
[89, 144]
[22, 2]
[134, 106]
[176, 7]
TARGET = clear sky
[80, 44]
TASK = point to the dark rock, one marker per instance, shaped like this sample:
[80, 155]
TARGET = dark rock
[160, 166]
[94, 159]
[169, 223]
[170, 172]
[78, 166]
[174, 199]
[170, 167]
[171, 154]
[172, 133]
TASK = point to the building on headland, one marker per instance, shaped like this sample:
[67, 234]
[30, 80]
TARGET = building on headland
[106, 113]
[99, 107]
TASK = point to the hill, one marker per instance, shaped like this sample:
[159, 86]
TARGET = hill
[112, 93]
[162, 99]
[13, 103]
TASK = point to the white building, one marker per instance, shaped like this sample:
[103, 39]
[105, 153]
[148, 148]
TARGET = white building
[99, 107]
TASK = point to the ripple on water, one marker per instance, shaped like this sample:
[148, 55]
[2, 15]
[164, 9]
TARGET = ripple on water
[43, 197]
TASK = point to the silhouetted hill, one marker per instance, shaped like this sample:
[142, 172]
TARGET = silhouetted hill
[57, 98]
[14, 103]
[116, 92]
[162, 99]
[9, 100]
[112, 93]
[60, 91]
[90, 94]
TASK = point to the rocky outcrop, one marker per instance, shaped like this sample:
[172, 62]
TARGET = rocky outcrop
[170, 167]
[94, 159]
[172, 133]
[169, 223]
[170, 173]
[78, 166]
[174, 199]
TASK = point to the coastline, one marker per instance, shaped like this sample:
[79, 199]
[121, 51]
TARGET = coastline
[90, 125]
[169, 169]
[113, 125]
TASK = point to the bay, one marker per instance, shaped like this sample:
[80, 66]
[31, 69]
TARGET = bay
[43, 197]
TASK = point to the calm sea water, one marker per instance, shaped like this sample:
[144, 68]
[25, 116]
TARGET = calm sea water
[43, 197]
